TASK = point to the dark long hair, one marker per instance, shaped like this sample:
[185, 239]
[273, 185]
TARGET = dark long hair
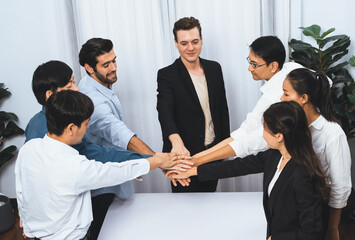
[316, 86]
[289, 119]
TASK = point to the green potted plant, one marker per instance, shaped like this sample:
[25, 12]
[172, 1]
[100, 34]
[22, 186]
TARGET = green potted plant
[8, 128]
[327, 56]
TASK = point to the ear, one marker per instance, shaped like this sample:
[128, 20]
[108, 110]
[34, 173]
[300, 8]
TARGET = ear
[280, 137]
[88, 68]
[304, 99]
[48, 94]
[70, 128]
[176, 44]
[274, 66]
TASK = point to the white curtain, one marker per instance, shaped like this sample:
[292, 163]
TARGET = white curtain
[141, 31]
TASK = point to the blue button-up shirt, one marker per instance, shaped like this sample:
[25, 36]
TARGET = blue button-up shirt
[106, 124]
[37, 128]
[107, 127]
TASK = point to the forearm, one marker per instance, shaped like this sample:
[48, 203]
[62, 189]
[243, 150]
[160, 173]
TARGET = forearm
[154, 163]
[221, 153]
[178, 145]
[219, 145]
[334, 218]
[175, 139]
[137, 145]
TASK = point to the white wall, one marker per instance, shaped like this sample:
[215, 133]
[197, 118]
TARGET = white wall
[20, 25]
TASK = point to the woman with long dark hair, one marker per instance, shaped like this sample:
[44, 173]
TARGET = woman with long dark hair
[311, 90]
[294, 184]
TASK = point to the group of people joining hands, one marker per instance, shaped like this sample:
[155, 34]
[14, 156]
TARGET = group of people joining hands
[292, 136]
[297, 143]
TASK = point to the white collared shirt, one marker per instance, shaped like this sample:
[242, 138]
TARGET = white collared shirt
[248, 139]
[53, 184]
[331, 146]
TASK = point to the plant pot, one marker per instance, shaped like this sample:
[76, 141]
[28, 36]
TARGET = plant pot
[7, 219]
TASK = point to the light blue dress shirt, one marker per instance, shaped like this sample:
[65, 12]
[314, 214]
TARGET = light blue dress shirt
[106, 124]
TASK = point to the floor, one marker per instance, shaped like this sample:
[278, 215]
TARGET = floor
[346, 228]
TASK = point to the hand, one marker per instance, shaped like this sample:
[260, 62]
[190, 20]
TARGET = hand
[178, 145]
[173, 174]
[183, 182]
[332, 234]
[269, 238]
[180, 149]
[170, 160]
[181, 164]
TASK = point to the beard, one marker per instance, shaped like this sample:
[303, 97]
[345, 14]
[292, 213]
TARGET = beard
[105, 79]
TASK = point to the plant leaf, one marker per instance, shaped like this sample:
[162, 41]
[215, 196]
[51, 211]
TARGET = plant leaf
[351, 98]
[352, 61]
[7, 116]
[312, 31]
[327, 32]
[12, 129]
[7, 154]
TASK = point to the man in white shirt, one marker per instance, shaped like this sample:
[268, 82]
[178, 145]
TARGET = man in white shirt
[53, 181]
[266, 62]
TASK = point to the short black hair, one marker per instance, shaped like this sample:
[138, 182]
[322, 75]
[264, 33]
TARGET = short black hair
[50, 76]
[66, 107]
[270, 49]
[186, 23]
[93, 48]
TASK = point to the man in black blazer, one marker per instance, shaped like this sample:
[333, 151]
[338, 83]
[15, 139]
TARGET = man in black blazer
[192, 105]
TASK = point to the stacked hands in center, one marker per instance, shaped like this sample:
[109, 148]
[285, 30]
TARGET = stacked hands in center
[179, 168]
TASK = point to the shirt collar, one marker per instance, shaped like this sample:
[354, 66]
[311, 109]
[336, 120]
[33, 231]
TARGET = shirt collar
[49, 139]
[318, 124]
[107, 92]
[271, 82]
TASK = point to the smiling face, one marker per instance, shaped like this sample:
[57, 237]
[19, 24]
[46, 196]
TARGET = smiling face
[106, 67]
[189, 45]
[259, 69]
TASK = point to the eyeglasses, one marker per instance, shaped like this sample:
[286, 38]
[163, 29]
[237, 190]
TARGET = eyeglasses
[253, 64]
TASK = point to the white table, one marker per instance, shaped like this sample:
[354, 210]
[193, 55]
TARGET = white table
[184, 216]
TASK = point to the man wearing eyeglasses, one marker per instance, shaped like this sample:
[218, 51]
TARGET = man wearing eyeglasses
[266, 62]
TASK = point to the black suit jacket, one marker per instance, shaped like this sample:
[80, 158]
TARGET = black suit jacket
[179, 108]
[294, 208]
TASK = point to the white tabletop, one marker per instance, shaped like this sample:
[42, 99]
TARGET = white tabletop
[184, 216]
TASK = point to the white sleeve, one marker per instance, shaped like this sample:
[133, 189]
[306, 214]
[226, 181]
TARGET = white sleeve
[94, 175]
[339, 160]
[248, 139]
[251, 143]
